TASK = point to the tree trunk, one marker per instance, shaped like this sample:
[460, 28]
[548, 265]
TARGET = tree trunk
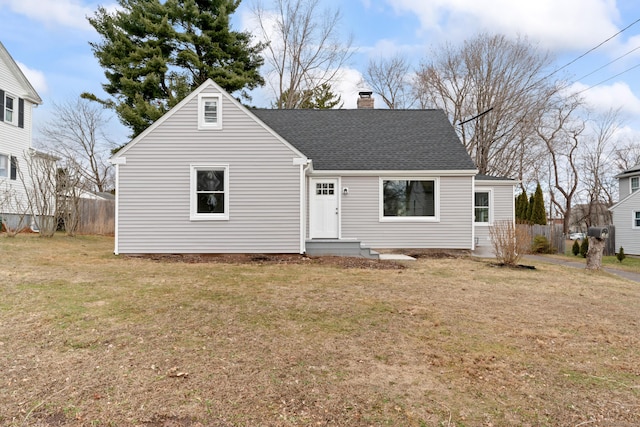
[594, 255]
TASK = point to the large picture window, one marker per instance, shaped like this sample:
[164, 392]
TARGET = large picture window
[209, 192]
[482, 207]
[402, 199]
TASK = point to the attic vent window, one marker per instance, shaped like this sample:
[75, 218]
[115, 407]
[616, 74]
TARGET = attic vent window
[209, 111]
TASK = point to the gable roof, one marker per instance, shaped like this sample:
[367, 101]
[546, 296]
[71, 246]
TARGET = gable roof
[206, 85]
[631, 196]
[30, 93]
[370, 139]
[635, 170]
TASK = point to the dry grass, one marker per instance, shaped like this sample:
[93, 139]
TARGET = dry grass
[91, 339]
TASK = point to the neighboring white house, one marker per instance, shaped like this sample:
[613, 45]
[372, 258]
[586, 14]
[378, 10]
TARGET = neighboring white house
[626, 213]
[17, 99]
[212, 176]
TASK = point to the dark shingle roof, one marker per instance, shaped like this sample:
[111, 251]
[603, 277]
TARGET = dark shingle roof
[369, 139]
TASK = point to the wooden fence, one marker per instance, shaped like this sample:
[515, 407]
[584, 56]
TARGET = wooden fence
[97, 217]
[557, 240]
[553, 233]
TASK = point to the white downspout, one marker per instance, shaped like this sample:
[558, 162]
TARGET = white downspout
[304, 166]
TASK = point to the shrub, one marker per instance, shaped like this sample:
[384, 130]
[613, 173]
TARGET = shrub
[541, 245]
[509, 241]
[584, 247]
[575, 248]
[620, 255]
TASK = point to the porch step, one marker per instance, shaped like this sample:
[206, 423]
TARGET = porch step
[338, 247]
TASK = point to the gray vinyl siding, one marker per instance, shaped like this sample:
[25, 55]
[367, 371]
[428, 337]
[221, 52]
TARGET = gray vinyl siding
[360, 217]
[624, 189]
[501, 209]
[627, 236]
[154, 186]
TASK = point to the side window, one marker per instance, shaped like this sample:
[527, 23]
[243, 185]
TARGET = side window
[209, 192]
[10, 109]
[481, 207]
[4, 166]
[635, 183]
[636, 219]
[209, 111]
[14, 168]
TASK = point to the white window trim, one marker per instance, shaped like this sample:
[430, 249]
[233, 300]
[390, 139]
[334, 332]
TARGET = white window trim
[436, 197]
[483, 190]
[631, 189]
[14, 111]
[193, 199]
[7, 168]
[633, 220]
[201, 123]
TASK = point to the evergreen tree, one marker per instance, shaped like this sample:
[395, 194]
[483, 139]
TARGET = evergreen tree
[320, 98]
[530, 208]
[154, 53]
[538, 212]
[584, 247]
[575, 249]
[620, 255]
[522, 207]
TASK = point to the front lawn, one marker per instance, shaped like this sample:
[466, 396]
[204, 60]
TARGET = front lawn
[92, 339]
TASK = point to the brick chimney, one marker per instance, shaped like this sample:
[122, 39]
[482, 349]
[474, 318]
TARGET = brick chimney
[366, 100]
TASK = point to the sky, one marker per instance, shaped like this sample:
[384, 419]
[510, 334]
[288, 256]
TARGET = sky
[49, 39]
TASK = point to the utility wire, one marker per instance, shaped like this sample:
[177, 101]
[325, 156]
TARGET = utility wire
[610, 78]
[607, 64]
[593, 48]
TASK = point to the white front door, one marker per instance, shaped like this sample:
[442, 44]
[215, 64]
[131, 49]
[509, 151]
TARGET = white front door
[323, 209]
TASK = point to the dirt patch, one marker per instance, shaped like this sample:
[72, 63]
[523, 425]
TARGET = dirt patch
[285, 259]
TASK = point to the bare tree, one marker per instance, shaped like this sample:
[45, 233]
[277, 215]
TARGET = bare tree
[560, 130]
[597, 164]
[304, 48]
[626, 155]
[490, 87]
[77, 133]
[390, 78]
[39, 180]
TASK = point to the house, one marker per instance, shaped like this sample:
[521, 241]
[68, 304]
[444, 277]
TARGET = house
[17, 100]
[212, 176]
[626, 213]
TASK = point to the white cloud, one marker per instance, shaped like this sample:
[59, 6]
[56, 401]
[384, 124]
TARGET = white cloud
[35, 77]
[66, 13]
[556, 25]
[612, 97]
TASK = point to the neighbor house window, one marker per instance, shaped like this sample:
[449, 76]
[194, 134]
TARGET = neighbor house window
[209, 111]
[481, 207]
[636, 219]
[10, 109]
[209, 192]
[635, 183]
[14, 168]
[4, 166]
[409, 199]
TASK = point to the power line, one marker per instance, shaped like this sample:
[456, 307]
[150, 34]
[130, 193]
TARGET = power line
[610, 78]
[607, 64]
[593, 48]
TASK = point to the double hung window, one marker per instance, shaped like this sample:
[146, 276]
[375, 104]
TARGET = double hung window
[209, 192]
